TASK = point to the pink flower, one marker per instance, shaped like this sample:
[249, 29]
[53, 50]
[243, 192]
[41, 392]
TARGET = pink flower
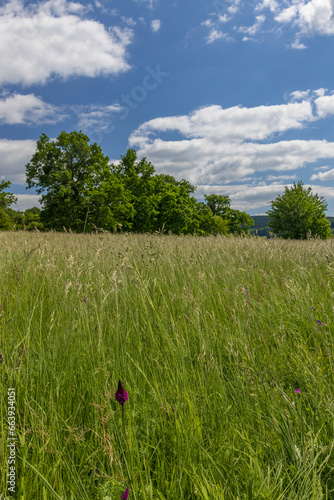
[125, 494]
[297, 391]
[121, 395]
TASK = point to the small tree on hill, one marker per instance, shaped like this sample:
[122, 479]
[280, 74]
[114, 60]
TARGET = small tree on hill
[298, 214]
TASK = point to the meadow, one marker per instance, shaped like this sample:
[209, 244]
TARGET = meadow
[224, 346]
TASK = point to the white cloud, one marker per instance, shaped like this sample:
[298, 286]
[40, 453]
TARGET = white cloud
[27, 109]
[96, 116]
[305, 18]
[129, 21]
[298, 45]
[248, 197]
[223, 19]
[53, 38]
[252, 30]
[325, 105]
[287, 15]
[235, 123]
[272, 5]
[32, 110]
[274, 178]
[155, 25]
[215, 35]
[220, 146]
[323, 176]
[314, 17]
[299, 95]
[25, 201]
[14, 156]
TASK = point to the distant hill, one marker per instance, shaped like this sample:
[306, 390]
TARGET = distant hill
[261, 225]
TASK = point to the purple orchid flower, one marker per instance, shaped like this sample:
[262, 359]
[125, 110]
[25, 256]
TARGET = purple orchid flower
[125, 494]
[121, 395]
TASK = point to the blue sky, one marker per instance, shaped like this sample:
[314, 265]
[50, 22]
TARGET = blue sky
[235, 96]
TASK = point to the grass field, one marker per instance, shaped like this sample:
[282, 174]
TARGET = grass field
[210, 337]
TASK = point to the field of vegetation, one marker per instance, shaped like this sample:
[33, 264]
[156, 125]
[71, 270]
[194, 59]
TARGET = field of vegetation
[223, 344]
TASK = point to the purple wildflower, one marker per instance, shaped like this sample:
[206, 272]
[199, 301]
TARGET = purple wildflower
[297, 391]
[125, 494]
[121, 395]
[318, 321]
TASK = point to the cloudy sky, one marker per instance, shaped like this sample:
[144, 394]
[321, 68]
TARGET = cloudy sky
[236, 96]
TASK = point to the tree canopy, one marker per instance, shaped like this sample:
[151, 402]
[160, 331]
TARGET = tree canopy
[80, 190]
[67, 172]
[298, 214]
[6, 199]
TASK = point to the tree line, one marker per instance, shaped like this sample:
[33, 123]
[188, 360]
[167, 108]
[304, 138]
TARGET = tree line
[82, 191]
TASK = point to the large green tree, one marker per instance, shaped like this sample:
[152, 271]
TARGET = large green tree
[177, 209]
[69, 173]
[138, 180]
[298, 214]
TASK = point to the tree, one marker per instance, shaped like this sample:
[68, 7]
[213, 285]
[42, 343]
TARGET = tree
[236, 221]
[32, 219]
[239, 222]
[210, 223]
[218, 204]
[6, 199]
[177, 210]
[138, 180]
[67, 173]
[298, 214]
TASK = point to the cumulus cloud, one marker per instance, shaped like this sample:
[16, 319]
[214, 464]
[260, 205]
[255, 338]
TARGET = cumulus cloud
[32, 110]
[247, 197]
[15, 154]
[304, 18]
[27, 109]
[323, 176]
[155, 25]
[313, 17]
[325, 105]
[25, 201]
[217, 145]
[54, 38]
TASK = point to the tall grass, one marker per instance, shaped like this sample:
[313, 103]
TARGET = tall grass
[210, 337]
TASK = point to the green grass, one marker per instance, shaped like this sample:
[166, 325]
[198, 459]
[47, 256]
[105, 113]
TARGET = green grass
[220, 329]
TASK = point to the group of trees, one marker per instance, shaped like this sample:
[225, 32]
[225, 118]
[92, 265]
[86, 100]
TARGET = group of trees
[80, 190]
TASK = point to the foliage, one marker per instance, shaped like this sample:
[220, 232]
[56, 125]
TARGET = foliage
[238, 222]
[218, 204]
[137, 178]
[5, 221]
[67, 173]
[299, 214]
[28, 220]
[82, 192]
[6, 199]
